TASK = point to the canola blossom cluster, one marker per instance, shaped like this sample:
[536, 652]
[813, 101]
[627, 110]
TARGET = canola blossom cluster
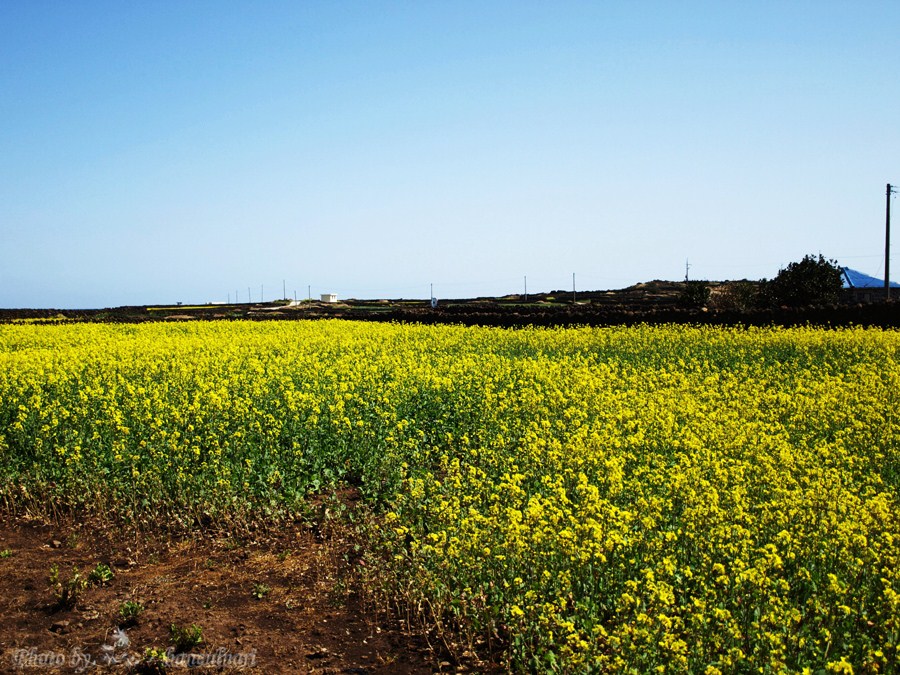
[608, 500]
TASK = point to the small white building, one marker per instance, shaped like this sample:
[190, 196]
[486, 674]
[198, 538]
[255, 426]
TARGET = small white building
[329, 297]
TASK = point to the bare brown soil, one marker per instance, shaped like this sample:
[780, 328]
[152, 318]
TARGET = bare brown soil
[282, 602]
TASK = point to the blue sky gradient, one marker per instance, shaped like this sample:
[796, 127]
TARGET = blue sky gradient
[158, 151]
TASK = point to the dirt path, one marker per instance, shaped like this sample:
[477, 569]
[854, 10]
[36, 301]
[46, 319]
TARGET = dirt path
[272, 604]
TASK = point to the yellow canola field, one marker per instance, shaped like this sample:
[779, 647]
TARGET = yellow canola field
[648, 499]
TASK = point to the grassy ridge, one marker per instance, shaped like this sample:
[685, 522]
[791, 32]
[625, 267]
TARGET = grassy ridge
[608, 500]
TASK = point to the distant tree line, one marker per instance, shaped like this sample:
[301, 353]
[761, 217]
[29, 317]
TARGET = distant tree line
[815, 280]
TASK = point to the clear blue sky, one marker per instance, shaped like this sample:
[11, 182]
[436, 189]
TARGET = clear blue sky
[183, 151]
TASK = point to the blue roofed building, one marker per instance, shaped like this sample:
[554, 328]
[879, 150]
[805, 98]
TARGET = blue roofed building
[863, 288]
[854, 279]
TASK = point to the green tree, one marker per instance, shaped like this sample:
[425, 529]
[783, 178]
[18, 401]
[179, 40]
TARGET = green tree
[694, 294]
[812, 281]
[738, 296]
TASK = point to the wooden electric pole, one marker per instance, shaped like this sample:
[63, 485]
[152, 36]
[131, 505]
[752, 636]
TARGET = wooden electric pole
[887, 241]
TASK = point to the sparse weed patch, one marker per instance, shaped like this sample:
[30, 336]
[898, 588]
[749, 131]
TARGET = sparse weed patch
[129, 611]
[66, 591]
[185, 638]
[101, 575]
[153, 662]
[260, 591]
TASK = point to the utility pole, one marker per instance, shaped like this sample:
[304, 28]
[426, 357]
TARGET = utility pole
[309, 292]
[573, 288]
[887, 241]
[260, 292]
[249, 299]
[283, 290]
[526, 288]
